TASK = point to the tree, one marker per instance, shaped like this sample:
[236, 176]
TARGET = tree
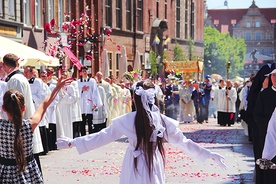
[219, 49]
[178, 54]
[153, 63]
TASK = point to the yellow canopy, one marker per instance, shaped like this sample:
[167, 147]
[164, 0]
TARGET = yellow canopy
[184, 66]
[27, 55]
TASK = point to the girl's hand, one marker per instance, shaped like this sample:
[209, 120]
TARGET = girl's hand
[218, 159]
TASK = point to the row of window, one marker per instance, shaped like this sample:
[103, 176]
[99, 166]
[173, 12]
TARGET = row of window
[129, 14]
[251, 23]
[35, 18]
[189, 18]
[258, 36]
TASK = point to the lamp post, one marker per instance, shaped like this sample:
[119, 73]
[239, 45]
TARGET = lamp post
[228, 64]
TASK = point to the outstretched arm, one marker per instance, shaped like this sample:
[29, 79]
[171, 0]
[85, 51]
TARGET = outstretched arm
[40, 111]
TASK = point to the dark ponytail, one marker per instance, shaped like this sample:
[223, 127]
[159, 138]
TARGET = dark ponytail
[13, 103]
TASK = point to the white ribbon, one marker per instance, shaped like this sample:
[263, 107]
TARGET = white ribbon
[147, 97]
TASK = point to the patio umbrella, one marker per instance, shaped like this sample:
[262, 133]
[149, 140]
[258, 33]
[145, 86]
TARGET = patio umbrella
[122, 62]
[27, 55]
[137, 61]
[105, 63]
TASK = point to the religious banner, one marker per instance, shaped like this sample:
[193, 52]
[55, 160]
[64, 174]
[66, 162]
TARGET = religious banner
[184, 66]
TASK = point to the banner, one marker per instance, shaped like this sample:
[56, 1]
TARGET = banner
[72, 57]
[184, 66]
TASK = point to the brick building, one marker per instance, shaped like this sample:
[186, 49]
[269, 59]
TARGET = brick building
[135, 25]
[255, 25]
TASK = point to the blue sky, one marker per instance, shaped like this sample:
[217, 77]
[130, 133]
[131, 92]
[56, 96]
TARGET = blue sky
[233, 4]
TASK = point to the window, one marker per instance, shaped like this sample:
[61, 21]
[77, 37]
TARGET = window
[117, 64]
[248, 24]
[109, 55]
[258, 35]
[128, 15]
[178, 19]
[1, 8]
[12, 8]
[27, 17]
[50, 10]
[258, 23]
[192, 20]
[38, 13]
[186, 20]
[166, 9]
[108, 13]
[157, 9]
[247, 36]
[60, 14]
[119, 13]
[140, 15]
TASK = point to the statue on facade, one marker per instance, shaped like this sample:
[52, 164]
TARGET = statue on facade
[254, 59]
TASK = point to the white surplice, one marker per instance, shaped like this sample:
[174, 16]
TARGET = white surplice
[67, 99]
[124, 125]
[20, 83]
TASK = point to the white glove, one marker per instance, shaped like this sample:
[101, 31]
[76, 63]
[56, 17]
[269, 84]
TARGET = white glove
[65, 142]
[218, 159]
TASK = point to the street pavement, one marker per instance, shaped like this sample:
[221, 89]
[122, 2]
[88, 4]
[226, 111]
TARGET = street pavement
[103, 165]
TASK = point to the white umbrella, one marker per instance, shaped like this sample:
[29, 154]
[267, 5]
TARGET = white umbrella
[137, 61]
[122, 62]
[27, 55]
[105, 63]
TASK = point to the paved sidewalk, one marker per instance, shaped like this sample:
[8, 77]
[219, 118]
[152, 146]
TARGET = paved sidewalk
[103, 165]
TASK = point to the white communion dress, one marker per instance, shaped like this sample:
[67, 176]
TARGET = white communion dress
[124, 125]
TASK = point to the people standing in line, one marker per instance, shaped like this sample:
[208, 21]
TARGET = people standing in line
[207, 86]
[229, 108]
[100, 116]
[2, 72]
[265, 105]
[55, 128]
[238, 88]
[199, 102]
[90, 100]
[17, 161]
[108, 93]
[219, 98]
[126, 99]
[146, 130]
[76, 110]
[176, 99]
[255, 89]
[168, 99]
[244, 104]
[187, 109]
[39, 93]
[67, 99]
[16, 80]
[113, 102]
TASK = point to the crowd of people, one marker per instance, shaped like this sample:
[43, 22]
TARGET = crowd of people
[84, 108]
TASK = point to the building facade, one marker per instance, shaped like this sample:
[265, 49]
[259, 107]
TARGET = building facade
[134, 27]
[255, 25]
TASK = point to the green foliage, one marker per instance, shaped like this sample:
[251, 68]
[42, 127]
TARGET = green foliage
[221, 48]
[153, 63]
[178, 53]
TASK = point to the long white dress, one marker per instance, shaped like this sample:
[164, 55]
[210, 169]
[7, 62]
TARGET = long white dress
[124, 125]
